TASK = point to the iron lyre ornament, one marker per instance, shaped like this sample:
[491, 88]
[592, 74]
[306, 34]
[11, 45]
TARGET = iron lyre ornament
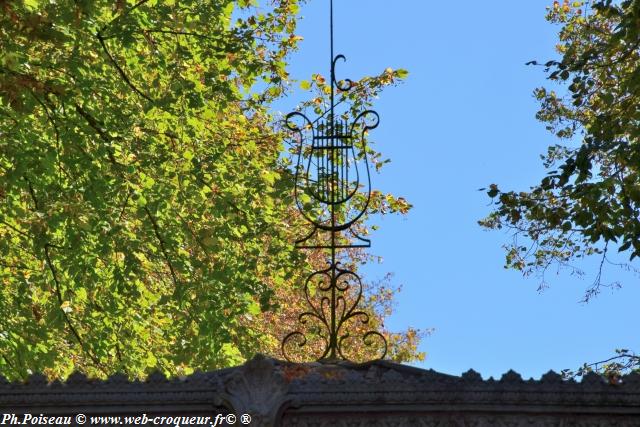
[332, 192]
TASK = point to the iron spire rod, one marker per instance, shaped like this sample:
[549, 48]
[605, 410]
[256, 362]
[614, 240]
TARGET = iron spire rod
[333, 335]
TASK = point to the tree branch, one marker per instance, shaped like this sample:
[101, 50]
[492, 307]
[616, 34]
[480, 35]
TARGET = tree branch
[13, 368]
[156, 230]
[119, 69]
[95, 125]
[178, 33]
[22, 233]
[33, 194]
[64, 314]
[124, 206]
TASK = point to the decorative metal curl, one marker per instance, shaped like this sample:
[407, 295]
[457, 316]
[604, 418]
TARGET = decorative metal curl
[328, 175]
[336, 83]
[332, 320]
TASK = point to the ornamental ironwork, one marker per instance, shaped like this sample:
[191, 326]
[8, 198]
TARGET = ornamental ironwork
[332, 192]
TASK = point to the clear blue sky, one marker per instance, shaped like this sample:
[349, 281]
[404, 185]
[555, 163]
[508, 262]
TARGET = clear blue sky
[465, 119]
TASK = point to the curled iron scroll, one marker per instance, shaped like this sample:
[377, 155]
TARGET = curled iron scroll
[336, 83]
[349, 288]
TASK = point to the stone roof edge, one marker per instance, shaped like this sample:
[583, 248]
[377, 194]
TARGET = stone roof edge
[374, 371]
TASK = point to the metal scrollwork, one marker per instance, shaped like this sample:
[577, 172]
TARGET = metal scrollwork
[336, 83]
[332, 192]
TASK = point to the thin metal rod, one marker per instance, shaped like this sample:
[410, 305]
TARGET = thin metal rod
[331, 44]
[333, 339]
[345, 155]
[322, 162]
[318, 164]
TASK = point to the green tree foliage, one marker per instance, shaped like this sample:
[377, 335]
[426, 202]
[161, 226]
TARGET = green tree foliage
[624, 362]
[145, 205]
[138, 183]
[589, 202]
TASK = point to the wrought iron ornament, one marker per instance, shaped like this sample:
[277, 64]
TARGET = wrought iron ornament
[332, 191]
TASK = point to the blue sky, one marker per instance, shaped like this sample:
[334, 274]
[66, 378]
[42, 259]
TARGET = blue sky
[465, 119]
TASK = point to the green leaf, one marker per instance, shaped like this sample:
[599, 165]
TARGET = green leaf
[31, 4]
[402, 73]
[305, 85]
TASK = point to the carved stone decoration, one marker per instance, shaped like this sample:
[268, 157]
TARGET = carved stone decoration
[551, 378]
[472, 376]
[448, 420]
[511, 377]
[343, 394]
[259, 389]
[632, 378]
[77, 378]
